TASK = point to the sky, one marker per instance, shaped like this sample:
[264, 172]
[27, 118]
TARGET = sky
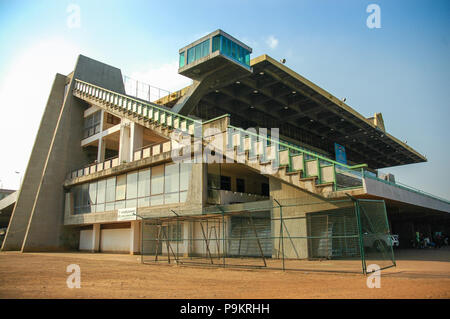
[400, 68]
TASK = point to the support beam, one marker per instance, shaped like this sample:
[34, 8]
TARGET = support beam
[135, 237]
[96, 238]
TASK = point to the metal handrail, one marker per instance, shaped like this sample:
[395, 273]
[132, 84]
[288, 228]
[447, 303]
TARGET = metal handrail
[150, 104]
[298, 149]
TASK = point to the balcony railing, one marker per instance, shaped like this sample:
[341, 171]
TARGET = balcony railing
[153, 150]
[296, 158]
[141, 153]
[94, 167]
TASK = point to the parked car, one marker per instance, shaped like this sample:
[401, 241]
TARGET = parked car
[379, 242]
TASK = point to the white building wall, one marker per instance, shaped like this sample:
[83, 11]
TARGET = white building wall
[86, 242]
[115, 240]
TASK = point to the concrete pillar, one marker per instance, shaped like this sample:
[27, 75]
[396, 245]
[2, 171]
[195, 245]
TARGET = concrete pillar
[136, 138]
[96, 238]
[135, 237]
[124, 144]
[101, 150]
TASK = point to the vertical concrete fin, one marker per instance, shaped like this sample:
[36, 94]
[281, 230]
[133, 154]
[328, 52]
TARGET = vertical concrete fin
[28, 190]
[45, 230]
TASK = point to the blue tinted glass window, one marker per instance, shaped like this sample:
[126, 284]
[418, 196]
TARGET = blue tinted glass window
[216, 43]
[190, 55]
[198, 52]
[181, 59]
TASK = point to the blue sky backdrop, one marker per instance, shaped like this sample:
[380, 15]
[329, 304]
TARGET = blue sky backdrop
[400, 70]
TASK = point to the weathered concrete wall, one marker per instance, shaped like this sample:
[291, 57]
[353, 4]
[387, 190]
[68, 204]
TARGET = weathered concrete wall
[27, 193]
[296, 203]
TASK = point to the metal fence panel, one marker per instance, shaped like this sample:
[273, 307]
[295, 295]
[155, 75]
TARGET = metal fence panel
[287, 234]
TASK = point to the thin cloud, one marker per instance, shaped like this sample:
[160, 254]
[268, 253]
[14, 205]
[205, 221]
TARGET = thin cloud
[272, 42]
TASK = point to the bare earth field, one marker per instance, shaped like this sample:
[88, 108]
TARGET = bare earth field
[419, 274]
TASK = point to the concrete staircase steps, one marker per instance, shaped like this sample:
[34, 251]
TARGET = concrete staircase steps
[292, 168]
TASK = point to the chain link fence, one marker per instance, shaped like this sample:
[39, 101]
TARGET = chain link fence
[335, 236]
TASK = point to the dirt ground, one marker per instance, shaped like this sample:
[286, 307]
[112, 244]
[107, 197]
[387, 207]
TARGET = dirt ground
[419, 274]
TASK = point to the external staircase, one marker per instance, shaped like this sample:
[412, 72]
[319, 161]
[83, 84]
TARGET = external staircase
[290, 163]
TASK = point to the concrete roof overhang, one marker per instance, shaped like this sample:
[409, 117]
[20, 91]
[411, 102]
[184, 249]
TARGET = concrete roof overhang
[275, 96]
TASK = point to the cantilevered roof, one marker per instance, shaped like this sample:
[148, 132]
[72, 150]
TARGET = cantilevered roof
[276, 96]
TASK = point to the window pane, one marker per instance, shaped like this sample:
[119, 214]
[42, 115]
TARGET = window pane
[144, 183]
[205, 48]
[131, 203]
[92, 195]
[111, 189]
[120, 204]
[181, 60]
[172, 178]
[190, 55]
[216, 43]
[109, 206]
[157, 186]
[144, 202]
[100, 208]
[121, 185]
[77, 200]
[101, 188]
[85, 191]
[185, 175]
[171, 198]
[227, 46]
[132, 185]
[198, 52]
[157, 200]
[233, 50]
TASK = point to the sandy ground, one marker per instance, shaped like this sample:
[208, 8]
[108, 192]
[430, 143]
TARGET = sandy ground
[419, 274]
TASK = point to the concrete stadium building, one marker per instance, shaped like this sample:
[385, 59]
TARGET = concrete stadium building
[106, 155]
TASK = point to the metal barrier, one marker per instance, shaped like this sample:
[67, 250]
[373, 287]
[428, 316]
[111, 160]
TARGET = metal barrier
[331, 236]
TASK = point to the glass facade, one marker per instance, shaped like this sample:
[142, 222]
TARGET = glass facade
[92, 124]
[197, 52]
[219, 43]
[182, 61]
[231, 49]
[158, 185]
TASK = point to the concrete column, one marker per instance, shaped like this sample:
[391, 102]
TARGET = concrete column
[101, 150]
[135, 237]
[136, 138]
[124, 144]
[96, 238]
